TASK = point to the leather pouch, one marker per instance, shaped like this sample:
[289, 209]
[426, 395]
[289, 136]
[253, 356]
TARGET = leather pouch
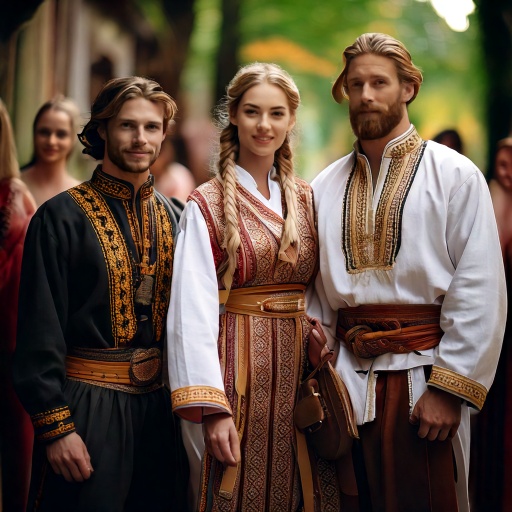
[324, 412]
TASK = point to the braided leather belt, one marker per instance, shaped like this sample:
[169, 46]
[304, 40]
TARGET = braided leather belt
[373, 330]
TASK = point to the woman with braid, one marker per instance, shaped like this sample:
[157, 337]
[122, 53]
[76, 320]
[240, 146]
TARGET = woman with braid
[237, 328]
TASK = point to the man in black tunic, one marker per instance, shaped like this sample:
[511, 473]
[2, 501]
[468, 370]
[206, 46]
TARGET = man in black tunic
[95, 287]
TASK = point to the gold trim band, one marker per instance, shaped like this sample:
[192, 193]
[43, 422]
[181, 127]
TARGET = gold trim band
[459, 385]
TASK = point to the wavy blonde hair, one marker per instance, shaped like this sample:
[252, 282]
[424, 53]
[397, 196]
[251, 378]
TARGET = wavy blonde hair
[9, 167]
[248, 76]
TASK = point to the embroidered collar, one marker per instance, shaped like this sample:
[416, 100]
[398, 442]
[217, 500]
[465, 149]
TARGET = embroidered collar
[120, 189]
[398, 147]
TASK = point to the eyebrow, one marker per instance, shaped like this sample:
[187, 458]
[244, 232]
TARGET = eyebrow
[130, 120]
[279, 107]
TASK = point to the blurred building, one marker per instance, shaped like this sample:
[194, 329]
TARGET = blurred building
[70, 47]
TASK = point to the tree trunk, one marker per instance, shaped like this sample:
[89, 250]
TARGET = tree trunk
[495, 18]
[227, 55]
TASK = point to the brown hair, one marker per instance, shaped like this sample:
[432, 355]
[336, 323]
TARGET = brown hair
[109, 101]
[64, 104]
[385, 46]
[247, 77]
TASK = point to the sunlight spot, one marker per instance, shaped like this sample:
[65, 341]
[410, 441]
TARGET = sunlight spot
[454, 12]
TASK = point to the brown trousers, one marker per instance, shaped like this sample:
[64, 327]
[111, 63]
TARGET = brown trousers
[404, 473]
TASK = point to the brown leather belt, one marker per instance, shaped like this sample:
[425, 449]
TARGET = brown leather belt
[372, 330]
[130, 367]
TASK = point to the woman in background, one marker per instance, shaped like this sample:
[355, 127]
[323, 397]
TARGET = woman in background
[55, 133]
[236, 324]
[16, 434]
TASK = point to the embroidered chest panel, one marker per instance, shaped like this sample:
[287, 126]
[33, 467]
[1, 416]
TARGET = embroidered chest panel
[371, 239]
[120, 262]
[260, 232]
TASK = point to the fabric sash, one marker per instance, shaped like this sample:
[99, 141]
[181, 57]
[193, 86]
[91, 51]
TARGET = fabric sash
[372, 330]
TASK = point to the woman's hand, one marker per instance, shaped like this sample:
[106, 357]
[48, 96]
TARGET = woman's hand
[317, 346]
[221, 438]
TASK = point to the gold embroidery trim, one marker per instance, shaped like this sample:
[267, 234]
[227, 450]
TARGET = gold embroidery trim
[373, 243]
[164, 265]
[110, 186]
[193, 395]
[117, 259]
[61, 429]
[459, 385]
[50, 417]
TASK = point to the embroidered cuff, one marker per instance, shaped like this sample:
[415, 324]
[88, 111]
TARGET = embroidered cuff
[197, 397]
[459, 385]
[51, 425]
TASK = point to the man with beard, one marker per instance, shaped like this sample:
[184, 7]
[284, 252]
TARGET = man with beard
[411, 290]
[95, 288]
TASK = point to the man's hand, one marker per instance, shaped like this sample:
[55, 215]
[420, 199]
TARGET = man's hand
[221, 438]
[438, 413]
[69, 457]
[317, 346]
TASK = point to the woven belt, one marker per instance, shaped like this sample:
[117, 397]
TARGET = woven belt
[134, 367]
[283, 301]
[370, 331]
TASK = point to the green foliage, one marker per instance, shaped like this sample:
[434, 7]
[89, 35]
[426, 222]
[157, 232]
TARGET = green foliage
[307, 38]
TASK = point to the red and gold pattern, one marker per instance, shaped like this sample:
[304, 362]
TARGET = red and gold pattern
[268, 478]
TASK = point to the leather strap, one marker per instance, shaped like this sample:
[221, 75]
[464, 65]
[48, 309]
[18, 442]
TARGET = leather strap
[98, 371]
[231, 473]
[306, 475]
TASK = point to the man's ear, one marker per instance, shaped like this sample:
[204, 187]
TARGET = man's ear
[101, 131]
[407, 91]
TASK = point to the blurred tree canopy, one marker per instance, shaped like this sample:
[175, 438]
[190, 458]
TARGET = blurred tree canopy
[308, 39]
[198, 46]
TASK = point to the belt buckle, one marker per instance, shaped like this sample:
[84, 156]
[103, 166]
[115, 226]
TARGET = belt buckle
[145, 366]
[282, 305]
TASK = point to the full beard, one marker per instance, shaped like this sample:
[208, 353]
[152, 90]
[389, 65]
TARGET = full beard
[379, 125]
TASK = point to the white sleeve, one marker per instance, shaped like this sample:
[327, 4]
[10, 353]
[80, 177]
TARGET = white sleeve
[193, 317]
[474, 308]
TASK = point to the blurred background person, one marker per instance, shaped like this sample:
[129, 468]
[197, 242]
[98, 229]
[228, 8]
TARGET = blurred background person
[16, 434]
[501, 193]
[54, 131]
[450, 138]
[491, 451]
[172, 177]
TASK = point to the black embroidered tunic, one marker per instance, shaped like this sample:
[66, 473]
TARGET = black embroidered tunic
[96, 274]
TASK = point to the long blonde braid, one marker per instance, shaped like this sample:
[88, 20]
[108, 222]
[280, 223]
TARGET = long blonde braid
[247, 77]
[231, 243]
[290, 238]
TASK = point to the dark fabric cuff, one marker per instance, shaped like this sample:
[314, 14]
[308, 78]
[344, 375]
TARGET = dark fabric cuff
[51, 425]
